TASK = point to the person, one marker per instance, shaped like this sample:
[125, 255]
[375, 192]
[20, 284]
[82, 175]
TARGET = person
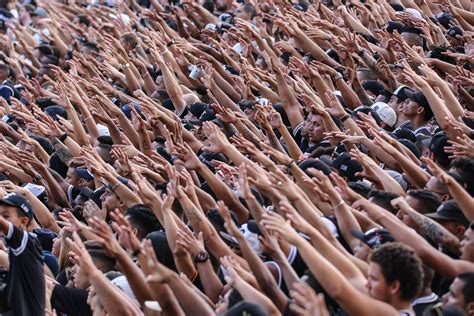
[209, 157]
[25, 291]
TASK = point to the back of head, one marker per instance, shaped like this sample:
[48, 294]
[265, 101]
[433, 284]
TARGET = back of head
[143, 219]
[427, 201]
[383, 199]
[101, 259]
[399, 262]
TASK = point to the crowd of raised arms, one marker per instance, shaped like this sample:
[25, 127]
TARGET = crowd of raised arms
[231, 157]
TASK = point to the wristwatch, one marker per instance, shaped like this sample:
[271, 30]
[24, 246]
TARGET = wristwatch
[337, 76]
[201, 257]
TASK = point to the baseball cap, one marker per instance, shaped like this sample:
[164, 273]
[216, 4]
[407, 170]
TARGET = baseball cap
[198, 108]
[385, 112]
[54, 111]
[414, 12]
[126, 109]
[83, 173]
[454, 30]
[420, 98]
[437, 144]
[444, 18]
[374, 237]
[39, 11]
[346, 166]
[19, 201]
[246, 104]
[449, 211]
[400, 93]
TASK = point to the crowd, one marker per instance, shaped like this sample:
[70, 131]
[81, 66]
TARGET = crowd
[226, 157]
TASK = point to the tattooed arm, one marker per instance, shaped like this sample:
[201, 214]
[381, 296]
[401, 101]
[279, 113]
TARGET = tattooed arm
[433, 230]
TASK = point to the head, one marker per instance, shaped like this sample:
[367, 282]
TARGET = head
[395, 274]
[461, 293]
[103, 146]
[110, 201]
[101, 260]
[4, 72]
[129, 41]
[246, 12]
[417, 108]
[464, 168]
[423, 201]
[143, 220]
[451, 217]
[467, 244]
[315, 128]
[16, 209]
[383, 199]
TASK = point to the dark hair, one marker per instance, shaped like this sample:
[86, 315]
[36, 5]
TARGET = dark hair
[44, 143]
[250, 9]
[162, 249]
[143, 218]
[97, 252]
[83, 19]
[465, 168]
[468, 288]
[428, 201]
[316, 164]
[105, 140]
[383, 199]
[360, 188]
[399, 262]
[234, 298]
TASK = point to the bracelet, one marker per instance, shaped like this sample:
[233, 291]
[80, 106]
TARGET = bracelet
[337, 76]
[115, 186]
[87, 118]
[339, 205]
[63, 137]
[170, 43]
[345, 118]
[289, 164]
[164, 52]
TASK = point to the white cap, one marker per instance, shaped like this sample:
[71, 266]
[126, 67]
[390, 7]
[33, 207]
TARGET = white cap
[385, 112]
[35, 189]
[414, 12]
[103, 130]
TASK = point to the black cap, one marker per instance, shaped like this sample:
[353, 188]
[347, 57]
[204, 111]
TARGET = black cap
[420, 98]
[438, 142]
[444, 18]
[453, 31]
[198, 108]
[374, 237]
[400, 93]
[449, 211]
[253, 227]
[247, 104]
[18, 201]
[54, 111]
[346, 166]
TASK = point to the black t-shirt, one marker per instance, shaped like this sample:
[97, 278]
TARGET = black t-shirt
[25, 281]
[70, 301]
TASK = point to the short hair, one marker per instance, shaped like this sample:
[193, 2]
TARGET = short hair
[105, 140]
[44, 143]
[384, 199]
[143, 218]
[130, 38]
[429, 201]
[98, 254]
[250, 9]
[468, 288]
[399, 262]
[465, 168]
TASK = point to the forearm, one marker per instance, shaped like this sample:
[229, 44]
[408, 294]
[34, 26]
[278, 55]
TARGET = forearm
[135, 277]
[434, 230]
[463, 198]
[264, 277]
[113, 300]
[191, 302]
[127, 196]
[292, 147]
[43, 215]
[212, 285]
[79, 132]
[224, 193]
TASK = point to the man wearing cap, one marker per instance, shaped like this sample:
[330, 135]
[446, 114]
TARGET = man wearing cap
[25, 291]
[396, 102]
[418, 111]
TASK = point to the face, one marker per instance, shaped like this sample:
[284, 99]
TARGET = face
[455, 297]
[10, 213]
[79, 278]
[241, 14]
[376, 285]
[394, 103]
[467, 246]
[71, 177]
[316, 129]
[411, 108]
[250, 112]
[110, 201]
[436, 187]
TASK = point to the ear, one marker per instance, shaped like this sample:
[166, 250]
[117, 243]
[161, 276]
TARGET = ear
[460, 230]
[82, 182]
[135, 231]
[394, 287]
[420, 110]
[470, 309]
[445, 197]
[25, 221]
